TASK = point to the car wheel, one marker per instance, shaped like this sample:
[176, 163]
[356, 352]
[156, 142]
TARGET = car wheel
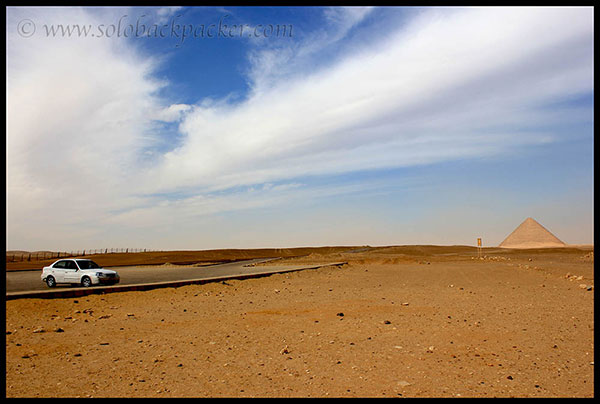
[50, 281]
[86, 282]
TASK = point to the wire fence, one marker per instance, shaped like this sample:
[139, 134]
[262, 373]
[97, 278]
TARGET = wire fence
[44, 255]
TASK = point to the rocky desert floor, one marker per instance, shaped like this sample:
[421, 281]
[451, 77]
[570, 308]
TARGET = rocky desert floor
[413, 321]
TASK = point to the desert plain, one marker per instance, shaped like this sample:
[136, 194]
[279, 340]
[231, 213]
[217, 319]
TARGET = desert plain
[404, 321]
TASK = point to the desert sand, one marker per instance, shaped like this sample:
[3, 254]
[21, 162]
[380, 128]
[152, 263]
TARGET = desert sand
[413, 321]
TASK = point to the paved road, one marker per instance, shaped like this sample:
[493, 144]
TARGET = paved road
[24, 281]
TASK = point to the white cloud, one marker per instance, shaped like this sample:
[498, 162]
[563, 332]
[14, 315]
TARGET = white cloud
[173, 113]
[77, 115]
[445, 87]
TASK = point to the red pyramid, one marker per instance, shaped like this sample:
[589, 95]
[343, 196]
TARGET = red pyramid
[531, 234]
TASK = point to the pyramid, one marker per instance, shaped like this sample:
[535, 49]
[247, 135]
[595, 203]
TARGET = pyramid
[531, 234]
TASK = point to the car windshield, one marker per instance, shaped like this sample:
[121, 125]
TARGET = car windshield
[87, 264]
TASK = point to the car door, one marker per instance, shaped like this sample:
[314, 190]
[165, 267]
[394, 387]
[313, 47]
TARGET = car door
[71, 272]
[58, 271]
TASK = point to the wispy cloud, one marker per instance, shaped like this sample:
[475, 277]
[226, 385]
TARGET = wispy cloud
[272, 62]
[451, 85]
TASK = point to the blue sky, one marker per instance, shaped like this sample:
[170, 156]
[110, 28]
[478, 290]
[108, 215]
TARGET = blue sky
[376, 126]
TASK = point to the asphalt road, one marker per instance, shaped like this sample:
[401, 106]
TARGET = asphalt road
[25, 281]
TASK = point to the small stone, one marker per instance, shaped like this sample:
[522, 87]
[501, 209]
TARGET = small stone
[387, 322]
[590, 288]
[59, 330]
[340, 314]
[403, 383]
[509, 377]
[39, 330]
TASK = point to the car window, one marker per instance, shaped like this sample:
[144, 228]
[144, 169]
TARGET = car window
[60, 264]
[71, 265]
[87, 264]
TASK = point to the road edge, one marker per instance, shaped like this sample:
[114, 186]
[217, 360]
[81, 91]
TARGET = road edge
[78, 292]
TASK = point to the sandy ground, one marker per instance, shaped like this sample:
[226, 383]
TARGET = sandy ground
[399, 321]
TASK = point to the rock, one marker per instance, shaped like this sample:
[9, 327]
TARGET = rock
[59, 330]
[285, 350]
[38, 330]
[387, 322]
[340, 314]
[583, 286]
[590, 288]
[403, 383]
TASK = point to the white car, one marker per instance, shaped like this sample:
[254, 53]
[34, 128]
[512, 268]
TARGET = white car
[78, 272]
